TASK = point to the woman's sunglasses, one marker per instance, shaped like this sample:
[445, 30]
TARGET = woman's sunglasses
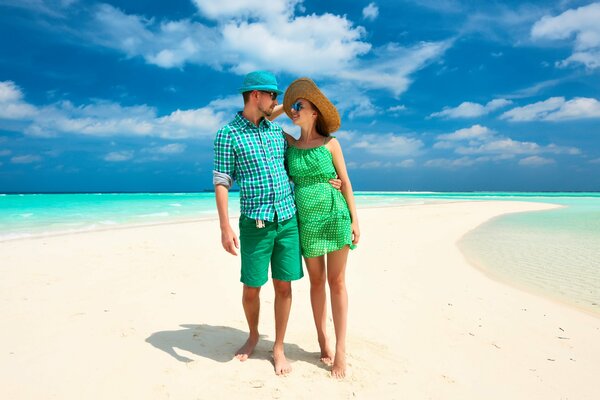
[297, 106]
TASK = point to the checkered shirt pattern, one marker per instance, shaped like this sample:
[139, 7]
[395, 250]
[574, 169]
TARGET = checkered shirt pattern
[254, 157]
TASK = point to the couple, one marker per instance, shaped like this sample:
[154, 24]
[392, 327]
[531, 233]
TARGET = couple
[321, 225]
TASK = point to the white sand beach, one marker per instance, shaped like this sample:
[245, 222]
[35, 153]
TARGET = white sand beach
[155, 313]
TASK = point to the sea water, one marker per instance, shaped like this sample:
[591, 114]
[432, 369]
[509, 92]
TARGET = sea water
[554, 253]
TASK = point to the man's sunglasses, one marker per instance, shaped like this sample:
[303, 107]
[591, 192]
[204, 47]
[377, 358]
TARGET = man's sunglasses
[272, 94]
[297, 106]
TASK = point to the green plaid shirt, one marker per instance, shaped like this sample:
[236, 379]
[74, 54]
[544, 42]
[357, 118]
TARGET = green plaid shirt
[254, 157]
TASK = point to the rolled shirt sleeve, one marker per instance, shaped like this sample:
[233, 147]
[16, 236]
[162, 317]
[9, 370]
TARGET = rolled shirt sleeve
[224, 165]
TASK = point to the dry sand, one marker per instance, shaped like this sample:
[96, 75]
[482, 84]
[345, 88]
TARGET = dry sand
[155, 313]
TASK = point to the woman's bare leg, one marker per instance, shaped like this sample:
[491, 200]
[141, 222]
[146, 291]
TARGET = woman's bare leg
[336, 277]
[318, 301]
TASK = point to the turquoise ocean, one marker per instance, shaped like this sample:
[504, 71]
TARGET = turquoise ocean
[553, 253]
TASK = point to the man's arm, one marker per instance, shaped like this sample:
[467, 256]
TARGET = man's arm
[229, 239]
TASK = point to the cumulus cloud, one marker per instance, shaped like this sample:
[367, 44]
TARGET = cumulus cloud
[488, 145]
[471, 110]
[555, 109]
[106, 118]
[26, 159]
[12, 105]
[579, 25]
[224, 9]
[286, 39]
[536, 161]
[389, 144]
[118, 156]
[450, 163]
[408, 163]
[171, 148]
[398, 108]
[350, 100]
[477, 132]
[370, 12]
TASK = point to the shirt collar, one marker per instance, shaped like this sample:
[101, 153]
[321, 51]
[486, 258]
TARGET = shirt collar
[240, 119]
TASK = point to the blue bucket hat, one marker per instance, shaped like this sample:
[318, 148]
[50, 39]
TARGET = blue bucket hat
[260, 80]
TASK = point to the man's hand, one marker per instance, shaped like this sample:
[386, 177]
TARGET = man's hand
[229, 240]
[336, 183]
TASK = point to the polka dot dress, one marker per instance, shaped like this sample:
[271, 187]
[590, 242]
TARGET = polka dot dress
[323, 214]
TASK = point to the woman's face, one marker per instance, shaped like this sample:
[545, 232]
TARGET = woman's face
[303, 113]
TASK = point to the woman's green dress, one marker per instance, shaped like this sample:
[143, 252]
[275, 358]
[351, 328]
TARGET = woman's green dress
[323, 215]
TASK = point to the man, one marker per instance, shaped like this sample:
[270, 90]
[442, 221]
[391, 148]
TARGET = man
[250, 150]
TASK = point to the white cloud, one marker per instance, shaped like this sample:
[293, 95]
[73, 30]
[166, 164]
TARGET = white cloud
[331, 39]
[172, 148]
[350, 100]
[370, 12]
[12, 105]
[449, 163]
[285, 40]
[26, 159]
[500, 146]
[555, 109]
[471, 110]
[169, 44]
[535, 161]
[395, 109]
[475, 132]
[4, 153]
[393, 65]
[595, 161]
[582, 24]
[223, 9]
[105, 118]
[377, 164]
[388, 144]
[118, 156]
[480, 140]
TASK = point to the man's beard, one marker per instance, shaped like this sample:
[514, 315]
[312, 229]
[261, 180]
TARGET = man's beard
[267, 112]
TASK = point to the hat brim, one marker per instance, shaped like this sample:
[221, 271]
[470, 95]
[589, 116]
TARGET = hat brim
[305, 88]
[266, 88]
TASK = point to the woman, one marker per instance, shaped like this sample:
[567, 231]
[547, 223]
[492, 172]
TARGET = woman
[327, 218]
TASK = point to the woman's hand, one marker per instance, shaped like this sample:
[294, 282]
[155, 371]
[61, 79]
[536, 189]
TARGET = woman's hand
[336, 183]
[355, 233]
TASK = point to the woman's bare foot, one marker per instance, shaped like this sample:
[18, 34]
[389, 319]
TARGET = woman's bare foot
[338, 370]
[326, 355]
[246, 350]
[282, 366]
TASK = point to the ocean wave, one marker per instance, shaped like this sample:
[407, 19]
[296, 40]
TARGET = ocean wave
[175, 205]
[159, 214]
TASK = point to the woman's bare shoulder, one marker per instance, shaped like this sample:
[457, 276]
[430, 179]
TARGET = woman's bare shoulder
[290, 139]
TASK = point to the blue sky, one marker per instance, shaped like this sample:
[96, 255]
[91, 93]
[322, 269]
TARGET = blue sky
[434, 95]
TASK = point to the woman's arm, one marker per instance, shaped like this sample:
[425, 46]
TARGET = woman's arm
[277, 111]
[340, 166]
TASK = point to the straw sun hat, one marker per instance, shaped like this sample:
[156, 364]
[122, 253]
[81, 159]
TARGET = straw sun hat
[304, 88]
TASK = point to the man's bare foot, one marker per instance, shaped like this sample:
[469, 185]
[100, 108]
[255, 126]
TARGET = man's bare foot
[338, 370]
[282, 366]
[246, 350]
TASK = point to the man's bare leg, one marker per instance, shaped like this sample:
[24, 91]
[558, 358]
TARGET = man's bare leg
[318, 300]
[336, 276]
[251, 304]
[283, 305]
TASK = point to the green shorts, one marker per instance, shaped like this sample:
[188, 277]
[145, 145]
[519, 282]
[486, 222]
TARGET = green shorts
[277, 243]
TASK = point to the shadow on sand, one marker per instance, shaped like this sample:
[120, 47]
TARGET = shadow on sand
[219, 343]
